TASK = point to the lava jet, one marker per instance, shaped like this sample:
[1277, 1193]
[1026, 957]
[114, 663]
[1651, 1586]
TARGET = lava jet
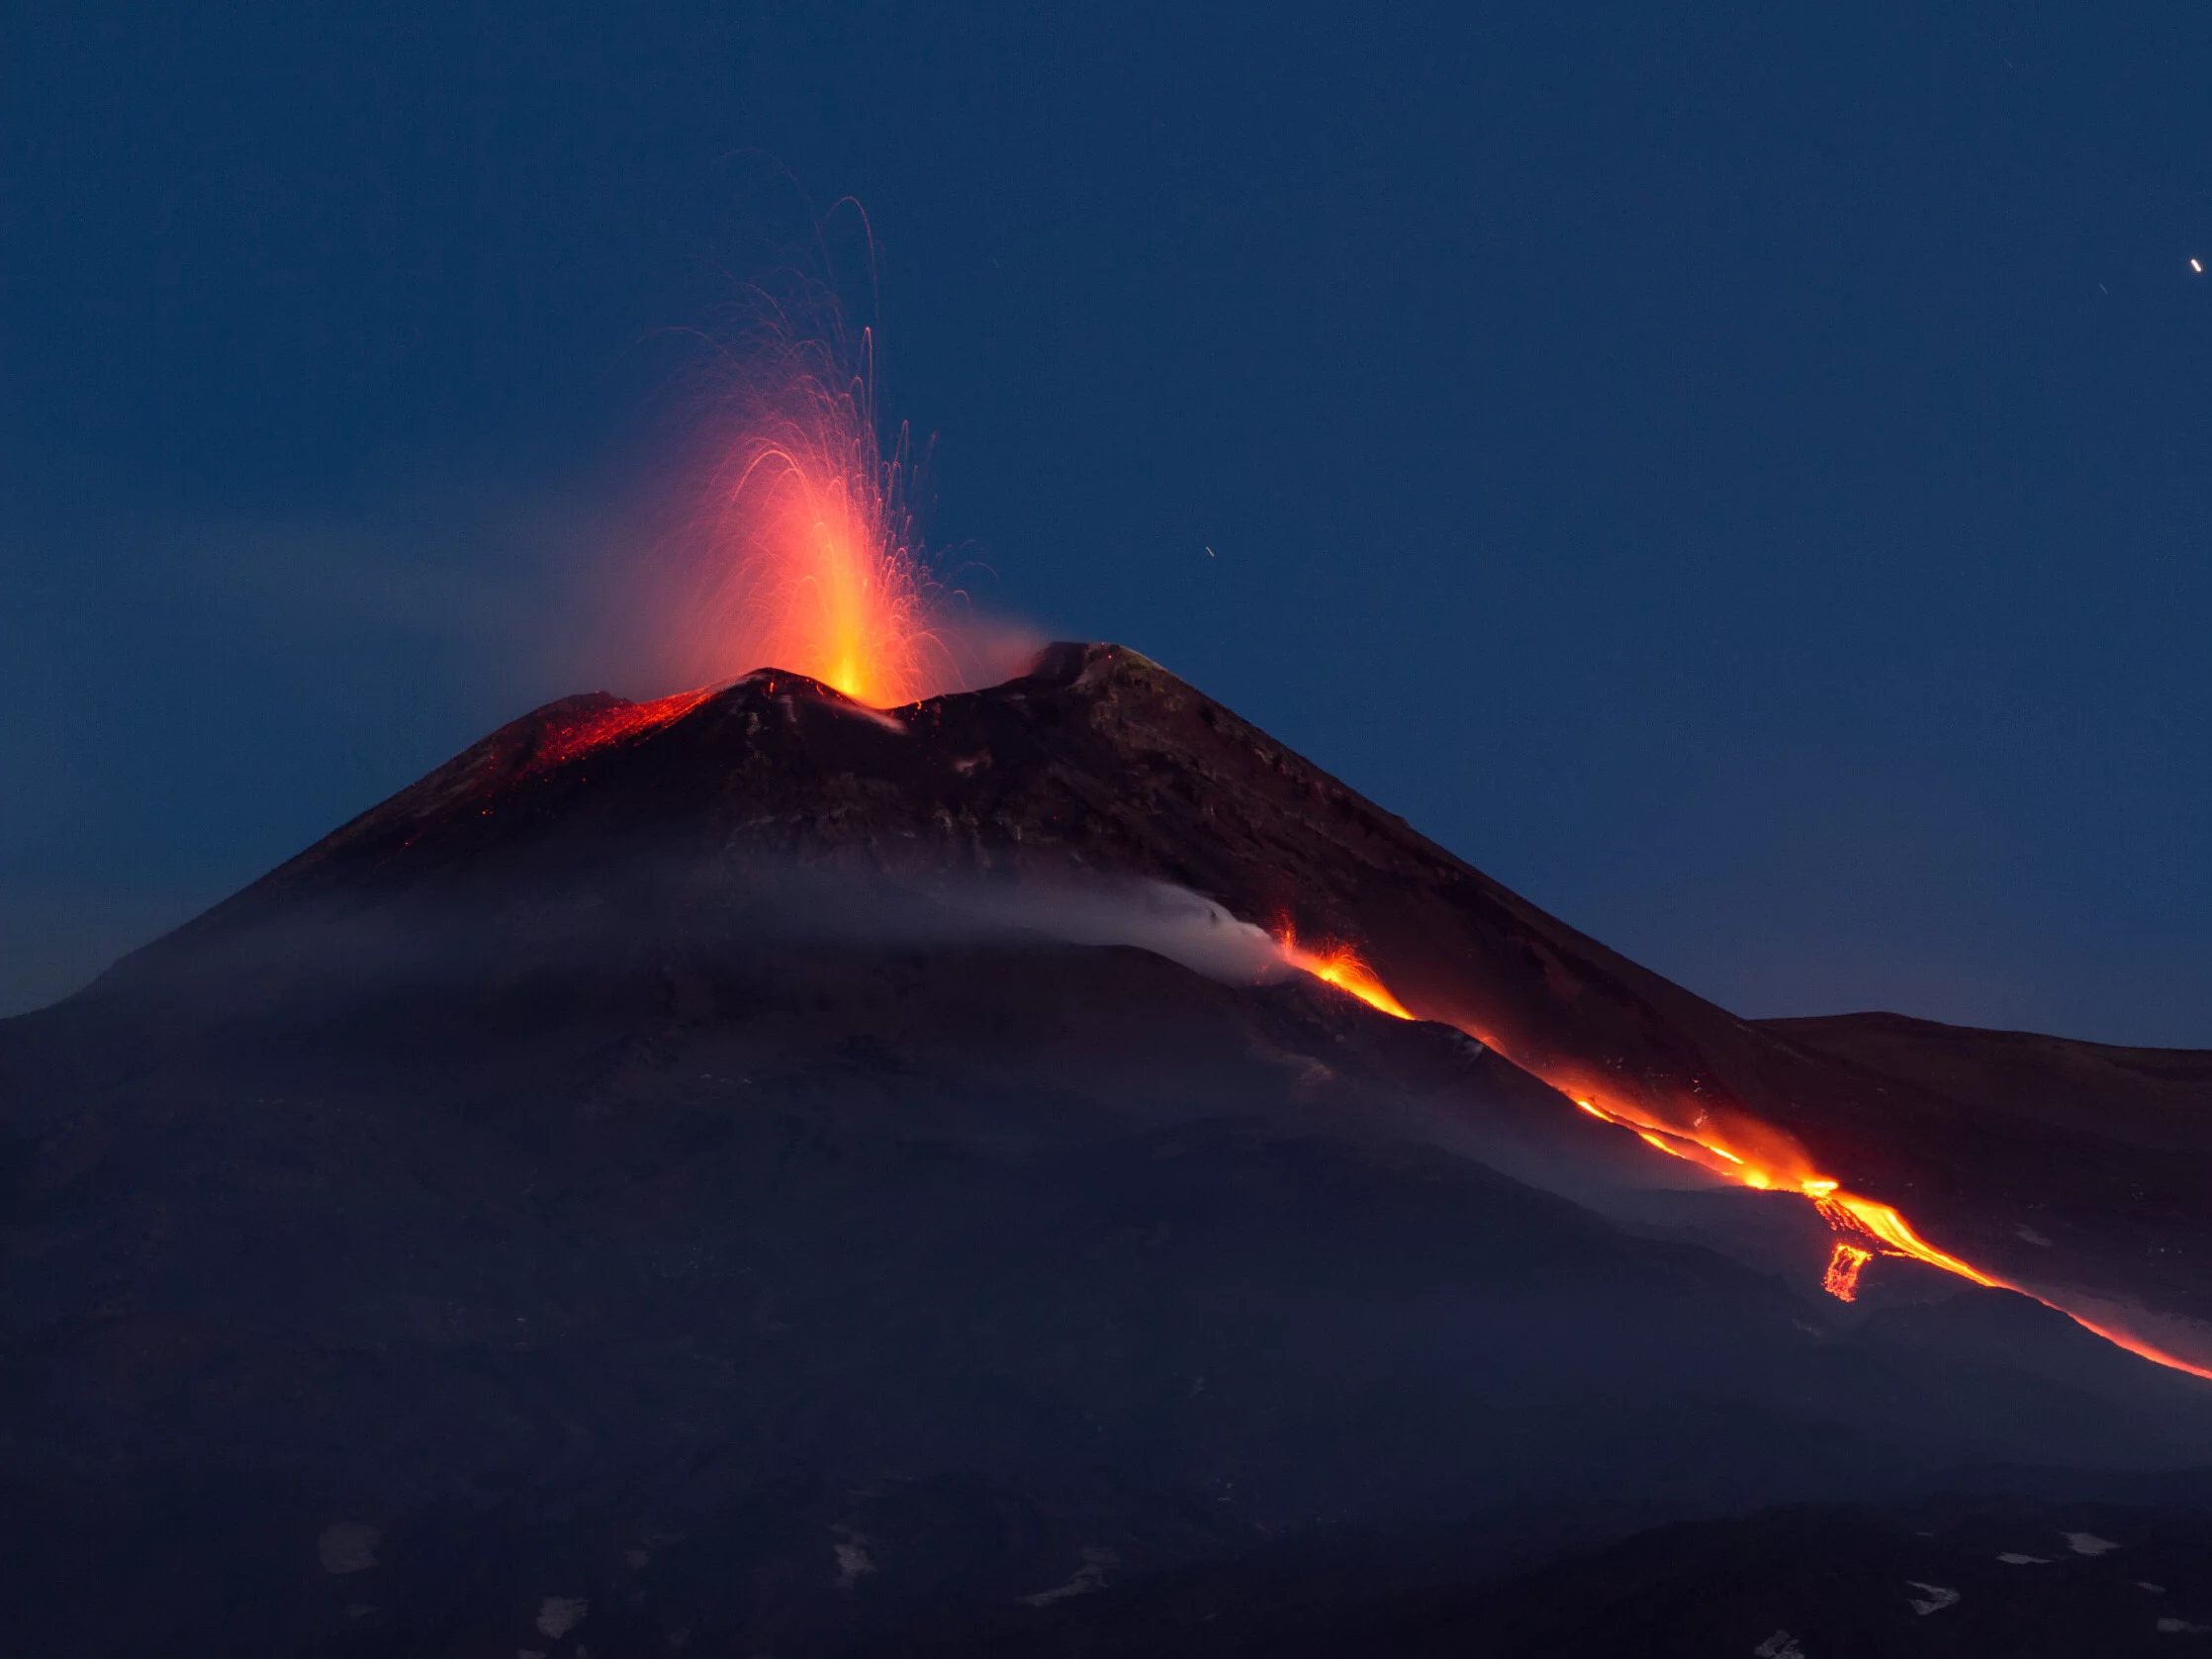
[1038, 1168]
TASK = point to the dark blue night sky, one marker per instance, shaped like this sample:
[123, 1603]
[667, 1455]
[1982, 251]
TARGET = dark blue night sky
[1738, 474]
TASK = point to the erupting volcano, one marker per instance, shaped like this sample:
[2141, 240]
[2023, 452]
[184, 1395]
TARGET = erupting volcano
[815, 571]
[812, 572]
[998, 1140]
[802, 1163]
[1429, 939]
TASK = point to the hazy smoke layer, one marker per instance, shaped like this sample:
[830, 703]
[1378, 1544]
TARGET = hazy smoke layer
[1169, 921]
[644, 905]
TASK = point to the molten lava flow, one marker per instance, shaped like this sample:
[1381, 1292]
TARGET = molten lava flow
[610, 725]
[1737, 1148]
[811, 563]
[1846, 1213]
[1877, 1229]
[1731, 1144]
[1842, 1279]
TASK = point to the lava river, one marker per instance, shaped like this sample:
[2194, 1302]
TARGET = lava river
[1735, 1147]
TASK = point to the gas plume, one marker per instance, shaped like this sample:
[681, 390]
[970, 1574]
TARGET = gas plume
[1156, 916]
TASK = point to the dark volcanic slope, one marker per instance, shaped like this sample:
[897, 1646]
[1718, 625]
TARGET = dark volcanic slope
[2149, 1097]
[2018, 1154]
[663, 1179]
[2000, 1577]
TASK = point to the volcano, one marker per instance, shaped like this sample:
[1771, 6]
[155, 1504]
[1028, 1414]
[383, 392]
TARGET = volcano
[1037, 1170]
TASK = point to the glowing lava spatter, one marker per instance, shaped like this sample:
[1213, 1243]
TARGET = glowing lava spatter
[1340, 966]
[808, 557]
[1842, 1278]
[1739, 1149]
[611, 725]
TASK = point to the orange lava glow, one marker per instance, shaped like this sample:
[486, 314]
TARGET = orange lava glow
[1879, 1222]
[612, 725]
[1342, 967]
[1777, 1163]
[807, 551]
[1737, 1148]
[2125, 1339]
[1842, 1279]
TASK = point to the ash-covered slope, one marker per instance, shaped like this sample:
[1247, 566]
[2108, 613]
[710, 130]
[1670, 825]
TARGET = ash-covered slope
[722, 1174]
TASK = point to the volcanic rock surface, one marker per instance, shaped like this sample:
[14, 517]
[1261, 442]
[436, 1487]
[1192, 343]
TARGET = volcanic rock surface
[766, 1174]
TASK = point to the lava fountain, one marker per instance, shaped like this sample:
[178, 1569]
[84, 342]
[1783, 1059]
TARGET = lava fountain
[802, 553]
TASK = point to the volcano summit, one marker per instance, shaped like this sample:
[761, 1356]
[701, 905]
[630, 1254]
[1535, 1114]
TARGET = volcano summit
[1037, 1170]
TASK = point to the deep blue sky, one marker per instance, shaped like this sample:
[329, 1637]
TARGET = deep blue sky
[1737, 474]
